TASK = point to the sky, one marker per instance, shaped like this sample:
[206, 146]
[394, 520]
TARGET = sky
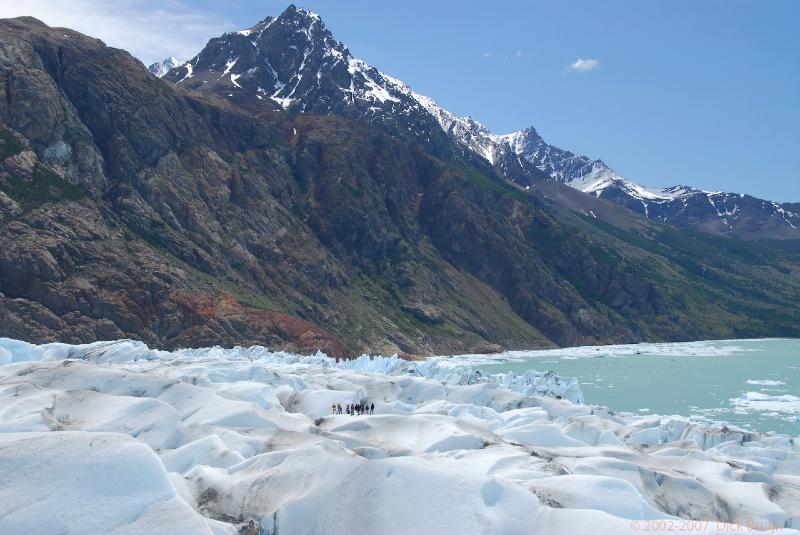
[704, 93]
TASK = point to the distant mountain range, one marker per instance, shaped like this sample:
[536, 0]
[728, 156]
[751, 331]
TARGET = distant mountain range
[294, 62]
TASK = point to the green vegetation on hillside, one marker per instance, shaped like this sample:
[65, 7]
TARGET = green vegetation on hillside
[9, 145]
[44, 186]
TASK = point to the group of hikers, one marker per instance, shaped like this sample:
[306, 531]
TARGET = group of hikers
[354, 408]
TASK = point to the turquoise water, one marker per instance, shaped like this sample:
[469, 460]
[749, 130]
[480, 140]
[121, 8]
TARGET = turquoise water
[754, 384]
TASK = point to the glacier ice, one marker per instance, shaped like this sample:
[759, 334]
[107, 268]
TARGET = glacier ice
[531, 383]
[118, 437]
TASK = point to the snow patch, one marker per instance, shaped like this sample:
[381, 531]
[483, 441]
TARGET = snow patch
[188, 67]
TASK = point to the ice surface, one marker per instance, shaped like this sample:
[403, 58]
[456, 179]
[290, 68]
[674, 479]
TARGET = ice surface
[76, 482]
[115, 437]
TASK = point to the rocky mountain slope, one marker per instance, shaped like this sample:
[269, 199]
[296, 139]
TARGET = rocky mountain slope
[134, 207]
[293, 61]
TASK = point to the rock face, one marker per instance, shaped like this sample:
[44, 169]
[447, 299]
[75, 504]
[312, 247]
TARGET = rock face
[292, 61]
[136, 207]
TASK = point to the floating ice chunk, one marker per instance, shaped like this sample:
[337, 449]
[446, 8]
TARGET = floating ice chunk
[765, 382]
[764, 402]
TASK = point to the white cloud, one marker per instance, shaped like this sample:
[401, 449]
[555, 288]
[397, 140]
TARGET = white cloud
[584, 65]
[149, 29]
[486, 55]
[518, 53]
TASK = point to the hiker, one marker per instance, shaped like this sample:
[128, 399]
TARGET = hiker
[339, 407]
[372, 408]
[333, 408]
[348, 409]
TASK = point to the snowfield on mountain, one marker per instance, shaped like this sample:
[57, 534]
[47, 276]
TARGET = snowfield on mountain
[114, 437]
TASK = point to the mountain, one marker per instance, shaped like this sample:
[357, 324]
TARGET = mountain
[132, 207]
[715, 212]
[160, 68]
[292, 61]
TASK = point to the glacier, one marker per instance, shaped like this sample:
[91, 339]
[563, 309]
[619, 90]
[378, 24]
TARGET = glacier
[116, 437]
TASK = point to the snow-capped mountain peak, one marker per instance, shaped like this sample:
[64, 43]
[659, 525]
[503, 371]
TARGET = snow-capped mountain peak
[294, 62]
[160, 68]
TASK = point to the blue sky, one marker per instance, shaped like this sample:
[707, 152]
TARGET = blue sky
[702, 93]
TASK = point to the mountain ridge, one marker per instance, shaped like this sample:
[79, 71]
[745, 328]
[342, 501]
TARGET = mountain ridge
[522, 157]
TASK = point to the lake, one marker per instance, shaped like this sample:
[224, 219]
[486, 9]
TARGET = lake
[754, 384]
